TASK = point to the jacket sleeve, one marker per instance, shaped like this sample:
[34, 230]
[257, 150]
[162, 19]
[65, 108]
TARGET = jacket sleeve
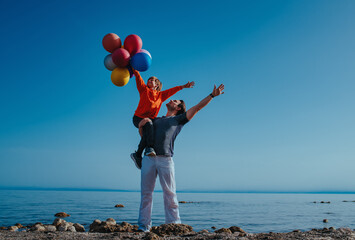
[169, 92]
[140, 83]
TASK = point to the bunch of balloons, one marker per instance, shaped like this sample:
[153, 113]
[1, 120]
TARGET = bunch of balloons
[123, 58]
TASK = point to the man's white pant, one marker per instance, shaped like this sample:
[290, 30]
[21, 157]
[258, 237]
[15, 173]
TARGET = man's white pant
[164, 167]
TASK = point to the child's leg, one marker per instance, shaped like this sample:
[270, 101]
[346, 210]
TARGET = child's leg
[141, 145]
[147, 132]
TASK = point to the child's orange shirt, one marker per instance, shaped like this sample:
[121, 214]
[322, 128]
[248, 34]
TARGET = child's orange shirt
[151, 100]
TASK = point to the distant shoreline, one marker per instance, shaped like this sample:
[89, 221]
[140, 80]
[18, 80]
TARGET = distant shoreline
[179, 191]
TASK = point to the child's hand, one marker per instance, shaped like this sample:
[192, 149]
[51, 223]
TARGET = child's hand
[135, 72]
[189, 85]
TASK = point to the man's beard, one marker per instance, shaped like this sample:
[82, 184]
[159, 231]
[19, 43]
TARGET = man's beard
[170, 108]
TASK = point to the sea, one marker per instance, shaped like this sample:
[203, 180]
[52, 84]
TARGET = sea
[253, 212]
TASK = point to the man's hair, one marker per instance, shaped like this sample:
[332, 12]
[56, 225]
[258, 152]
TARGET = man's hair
[157, 82]
[182, 107]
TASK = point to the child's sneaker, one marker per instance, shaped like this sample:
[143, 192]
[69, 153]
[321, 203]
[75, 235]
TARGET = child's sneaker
[137, 160]
[149, 151]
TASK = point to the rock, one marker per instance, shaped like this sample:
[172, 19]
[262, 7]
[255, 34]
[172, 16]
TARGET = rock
[79, 227]
[50, 228]
[332, 229]
[236, 229]
[119, 205]
[19, 225]
[111, 221]
[63, 227]
[151, 236]
[325, 220]
[203, 231]
[71, 229]
[172, 229]
[13, 228]
[126, 227]
[62, 214]
[135, 227]
[58, 221]
[297, 231]
[110, 226]
[187, 202]
[223, 230]
[95, 225]
[3, 228]
[38, 227]
[213, 227]
[344, 230]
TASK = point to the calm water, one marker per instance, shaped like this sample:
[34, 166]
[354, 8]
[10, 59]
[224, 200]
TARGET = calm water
[252, 212]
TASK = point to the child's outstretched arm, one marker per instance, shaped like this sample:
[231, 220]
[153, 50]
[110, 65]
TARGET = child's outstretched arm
[139, 81]
[171, 91]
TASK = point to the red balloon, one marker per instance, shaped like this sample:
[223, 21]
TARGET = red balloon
[133, 43]
[111, 42]
[121, 57]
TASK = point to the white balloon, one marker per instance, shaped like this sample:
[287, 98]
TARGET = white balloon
[109, 64]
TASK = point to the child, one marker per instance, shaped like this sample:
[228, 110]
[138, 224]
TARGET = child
[151, 99]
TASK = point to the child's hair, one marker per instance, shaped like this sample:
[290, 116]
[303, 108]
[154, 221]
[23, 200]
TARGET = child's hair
[157, 82]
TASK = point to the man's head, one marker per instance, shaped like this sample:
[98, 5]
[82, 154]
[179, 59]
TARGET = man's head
[176, 107]
[154, 83]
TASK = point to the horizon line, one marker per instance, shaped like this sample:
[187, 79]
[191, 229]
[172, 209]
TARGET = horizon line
[179, 191]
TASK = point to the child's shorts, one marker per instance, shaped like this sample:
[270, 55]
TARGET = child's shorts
[136, 121]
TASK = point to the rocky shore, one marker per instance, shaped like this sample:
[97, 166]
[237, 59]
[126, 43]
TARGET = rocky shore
[110, 229]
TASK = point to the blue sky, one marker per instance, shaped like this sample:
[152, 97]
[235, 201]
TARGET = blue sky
[285, 122]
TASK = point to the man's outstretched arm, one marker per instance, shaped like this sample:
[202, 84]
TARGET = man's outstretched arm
[216, 92]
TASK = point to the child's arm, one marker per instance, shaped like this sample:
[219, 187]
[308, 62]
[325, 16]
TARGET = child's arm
[171, 91]
[139, 81]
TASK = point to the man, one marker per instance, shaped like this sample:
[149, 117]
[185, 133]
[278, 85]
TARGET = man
[165, 130]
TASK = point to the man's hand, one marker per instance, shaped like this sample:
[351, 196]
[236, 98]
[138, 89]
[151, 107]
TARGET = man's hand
[189, 85]
[218, 91]
[203, 103]
[144, 121]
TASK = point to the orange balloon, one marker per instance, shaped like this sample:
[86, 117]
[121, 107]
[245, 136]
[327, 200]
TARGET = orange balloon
[111, 42]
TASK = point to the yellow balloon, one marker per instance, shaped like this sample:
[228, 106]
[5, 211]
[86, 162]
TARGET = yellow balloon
[120, 76]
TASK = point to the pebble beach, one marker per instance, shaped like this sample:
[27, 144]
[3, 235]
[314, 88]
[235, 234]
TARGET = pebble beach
[109, 229]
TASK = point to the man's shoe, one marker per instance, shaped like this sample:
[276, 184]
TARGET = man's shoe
[137, 160]
[150, 152]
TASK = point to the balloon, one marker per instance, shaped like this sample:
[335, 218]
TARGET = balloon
[120, 76]
[133, 43]
[111, 42]
[145, 51]
[109, 64]
[141, 61]
[121, 57]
